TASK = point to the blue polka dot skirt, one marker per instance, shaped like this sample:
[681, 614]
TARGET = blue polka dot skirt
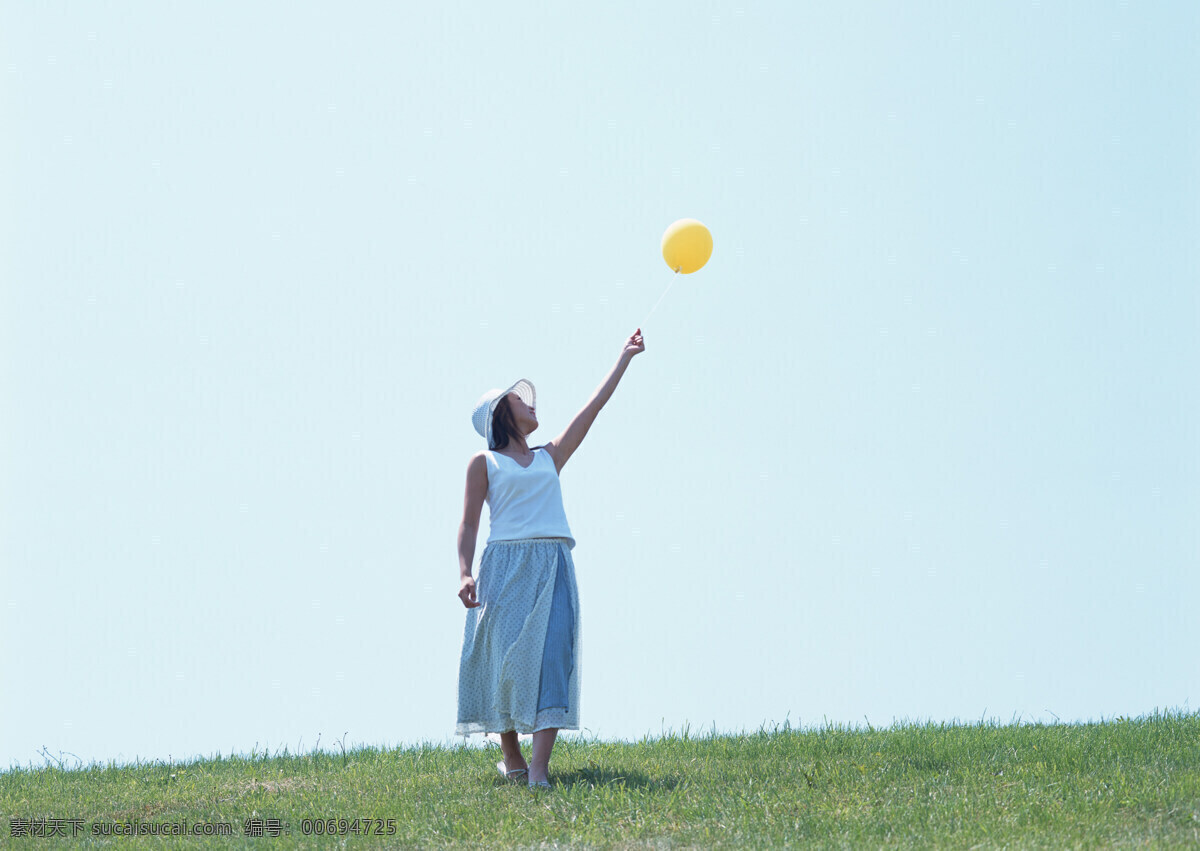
[520, 655]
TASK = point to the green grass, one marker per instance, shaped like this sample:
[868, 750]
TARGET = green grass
[1116, 783]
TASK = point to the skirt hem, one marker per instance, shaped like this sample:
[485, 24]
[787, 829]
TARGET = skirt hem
[481, 729]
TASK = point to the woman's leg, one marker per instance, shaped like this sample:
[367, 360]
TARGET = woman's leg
[510, 745]
[543, 743]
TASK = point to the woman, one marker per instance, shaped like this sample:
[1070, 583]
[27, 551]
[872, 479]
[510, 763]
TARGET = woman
[519, 671]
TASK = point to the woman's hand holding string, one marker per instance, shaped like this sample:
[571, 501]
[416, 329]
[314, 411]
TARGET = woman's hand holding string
[634, 345]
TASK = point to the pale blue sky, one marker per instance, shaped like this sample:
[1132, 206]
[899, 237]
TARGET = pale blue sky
[922, 441]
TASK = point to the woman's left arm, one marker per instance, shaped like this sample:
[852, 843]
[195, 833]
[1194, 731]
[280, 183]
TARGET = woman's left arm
[564, 446]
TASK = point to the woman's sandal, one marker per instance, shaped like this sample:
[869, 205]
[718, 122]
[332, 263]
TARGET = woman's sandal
[539, 784]
[515, 774]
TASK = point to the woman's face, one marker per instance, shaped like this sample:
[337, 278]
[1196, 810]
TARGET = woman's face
[523, 415]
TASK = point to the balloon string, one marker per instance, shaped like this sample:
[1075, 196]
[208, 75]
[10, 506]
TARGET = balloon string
[660, 298]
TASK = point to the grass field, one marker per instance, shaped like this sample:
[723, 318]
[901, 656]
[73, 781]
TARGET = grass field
[1115, 783]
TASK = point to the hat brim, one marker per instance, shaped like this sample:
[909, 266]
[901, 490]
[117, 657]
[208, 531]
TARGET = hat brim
[524, 390]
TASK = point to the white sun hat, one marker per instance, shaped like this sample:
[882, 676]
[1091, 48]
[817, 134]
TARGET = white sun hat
[486, 406]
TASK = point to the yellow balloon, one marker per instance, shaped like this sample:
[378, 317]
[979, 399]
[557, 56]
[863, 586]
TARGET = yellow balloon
[686, 246]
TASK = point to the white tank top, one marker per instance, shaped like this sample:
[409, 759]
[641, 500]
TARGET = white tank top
[525, 502]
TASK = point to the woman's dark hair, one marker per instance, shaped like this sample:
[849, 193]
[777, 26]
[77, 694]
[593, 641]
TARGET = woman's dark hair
[503, 427]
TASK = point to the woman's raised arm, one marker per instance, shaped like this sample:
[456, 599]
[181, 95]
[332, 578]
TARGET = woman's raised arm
[564, 446]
